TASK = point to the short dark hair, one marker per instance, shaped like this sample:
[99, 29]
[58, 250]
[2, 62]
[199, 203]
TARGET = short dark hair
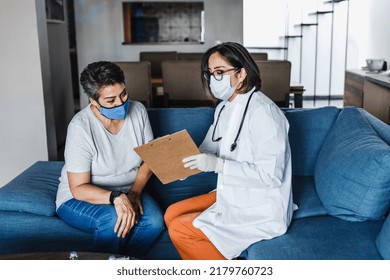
[98, 75]
[239, 57]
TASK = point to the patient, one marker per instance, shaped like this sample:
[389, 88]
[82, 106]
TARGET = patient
[102, 181]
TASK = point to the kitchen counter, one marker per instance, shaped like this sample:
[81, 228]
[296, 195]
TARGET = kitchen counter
[382, 79]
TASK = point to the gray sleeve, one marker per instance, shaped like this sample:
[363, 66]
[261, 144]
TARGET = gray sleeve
[78, 153]
[147, 129]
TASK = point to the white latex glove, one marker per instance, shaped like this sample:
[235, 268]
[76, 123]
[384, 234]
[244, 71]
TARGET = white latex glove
[204, 162]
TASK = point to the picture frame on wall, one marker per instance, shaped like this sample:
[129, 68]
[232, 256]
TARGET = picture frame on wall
[55, 10]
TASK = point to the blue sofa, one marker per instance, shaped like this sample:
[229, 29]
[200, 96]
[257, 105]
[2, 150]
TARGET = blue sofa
[341, 184]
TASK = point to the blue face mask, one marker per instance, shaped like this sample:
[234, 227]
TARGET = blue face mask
[115, 113]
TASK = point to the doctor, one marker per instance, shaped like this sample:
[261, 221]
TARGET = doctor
[247, 145]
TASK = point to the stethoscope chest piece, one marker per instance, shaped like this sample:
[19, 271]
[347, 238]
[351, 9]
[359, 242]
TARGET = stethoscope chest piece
[233, 146]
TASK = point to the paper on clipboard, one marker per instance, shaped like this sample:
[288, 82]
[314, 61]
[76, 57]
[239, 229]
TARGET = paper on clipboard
[165, 155]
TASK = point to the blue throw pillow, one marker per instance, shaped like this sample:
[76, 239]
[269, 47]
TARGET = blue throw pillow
[197, 122]
[34, 190]
[170, 120]
[383, 240]
[352, 172]
[308, 129]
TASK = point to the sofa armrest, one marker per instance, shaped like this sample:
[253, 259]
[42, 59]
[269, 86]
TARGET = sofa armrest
[34, 190]
[383, 239]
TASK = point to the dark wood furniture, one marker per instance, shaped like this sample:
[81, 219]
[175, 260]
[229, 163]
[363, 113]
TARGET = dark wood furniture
[370, 91]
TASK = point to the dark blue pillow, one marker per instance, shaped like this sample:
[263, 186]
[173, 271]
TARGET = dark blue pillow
[383, 240]
[170, 120]
[308, 128]
[34, 190]
[353, 169]
[197, 122]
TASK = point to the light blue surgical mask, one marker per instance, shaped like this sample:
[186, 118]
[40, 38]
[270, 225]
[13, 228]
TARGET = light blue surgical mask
[115, 113]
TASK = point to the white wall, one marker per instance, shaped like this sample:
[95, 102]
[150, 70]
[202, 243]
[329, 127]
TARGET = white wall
[99, 31]
[257, 21]
[369, 35]
[22, 114]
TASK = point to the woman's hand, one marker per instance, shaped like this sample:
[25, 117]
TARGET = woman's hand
[129, 208]
[127, 215]
[135, 200]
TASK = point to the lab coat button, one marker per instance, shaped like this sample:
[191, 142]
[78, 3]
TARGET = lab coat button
[219, 214]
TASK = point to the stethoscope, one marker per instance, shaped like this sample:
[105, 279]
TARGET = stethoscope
[234, 145]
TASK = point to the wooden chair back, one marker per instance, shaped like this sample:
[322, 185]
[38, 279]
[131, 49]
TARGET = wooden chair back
[275, 80]
[138, 80]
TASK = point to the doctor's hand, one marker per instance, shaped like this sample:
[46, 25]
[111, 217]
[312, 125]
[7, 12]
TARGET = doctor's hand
[204, 162]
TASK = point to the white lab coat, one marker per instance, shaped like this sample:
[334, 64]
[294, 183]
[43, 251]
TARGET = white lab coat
[254, 198]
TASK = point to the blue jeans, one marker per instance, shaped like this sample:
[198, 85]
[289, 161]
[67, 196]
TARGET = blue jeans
[100, 219]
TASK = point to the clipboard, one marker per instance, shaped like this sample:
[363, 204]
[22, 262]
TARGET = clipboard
[165, 155]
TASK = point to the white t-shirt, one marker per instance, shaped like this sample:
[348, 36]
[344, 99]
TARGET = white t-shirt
[110, 158]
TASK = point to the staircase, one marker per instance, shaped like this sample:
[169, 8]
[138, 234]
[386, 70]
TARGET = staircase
[315, 41]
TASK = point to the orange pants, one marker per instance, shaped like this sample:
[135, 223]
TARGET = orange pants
[190, 242]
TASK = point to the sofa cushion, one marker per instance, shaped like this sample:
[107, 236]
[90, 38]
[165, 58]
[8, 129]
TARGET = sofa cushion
[308, 128]
[23, 232]
[383, 239]
[162, 249]
[306, 198]
[352, 171]
[170, 193]
[320, 238]
[34, 190]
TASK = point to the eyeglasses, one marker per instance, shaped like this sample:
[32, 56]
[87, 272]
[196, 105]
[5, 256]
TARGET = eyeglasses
[218, 74]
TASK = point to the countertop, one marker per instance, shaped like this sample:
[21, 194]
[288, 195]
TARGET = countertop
[382, 78]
